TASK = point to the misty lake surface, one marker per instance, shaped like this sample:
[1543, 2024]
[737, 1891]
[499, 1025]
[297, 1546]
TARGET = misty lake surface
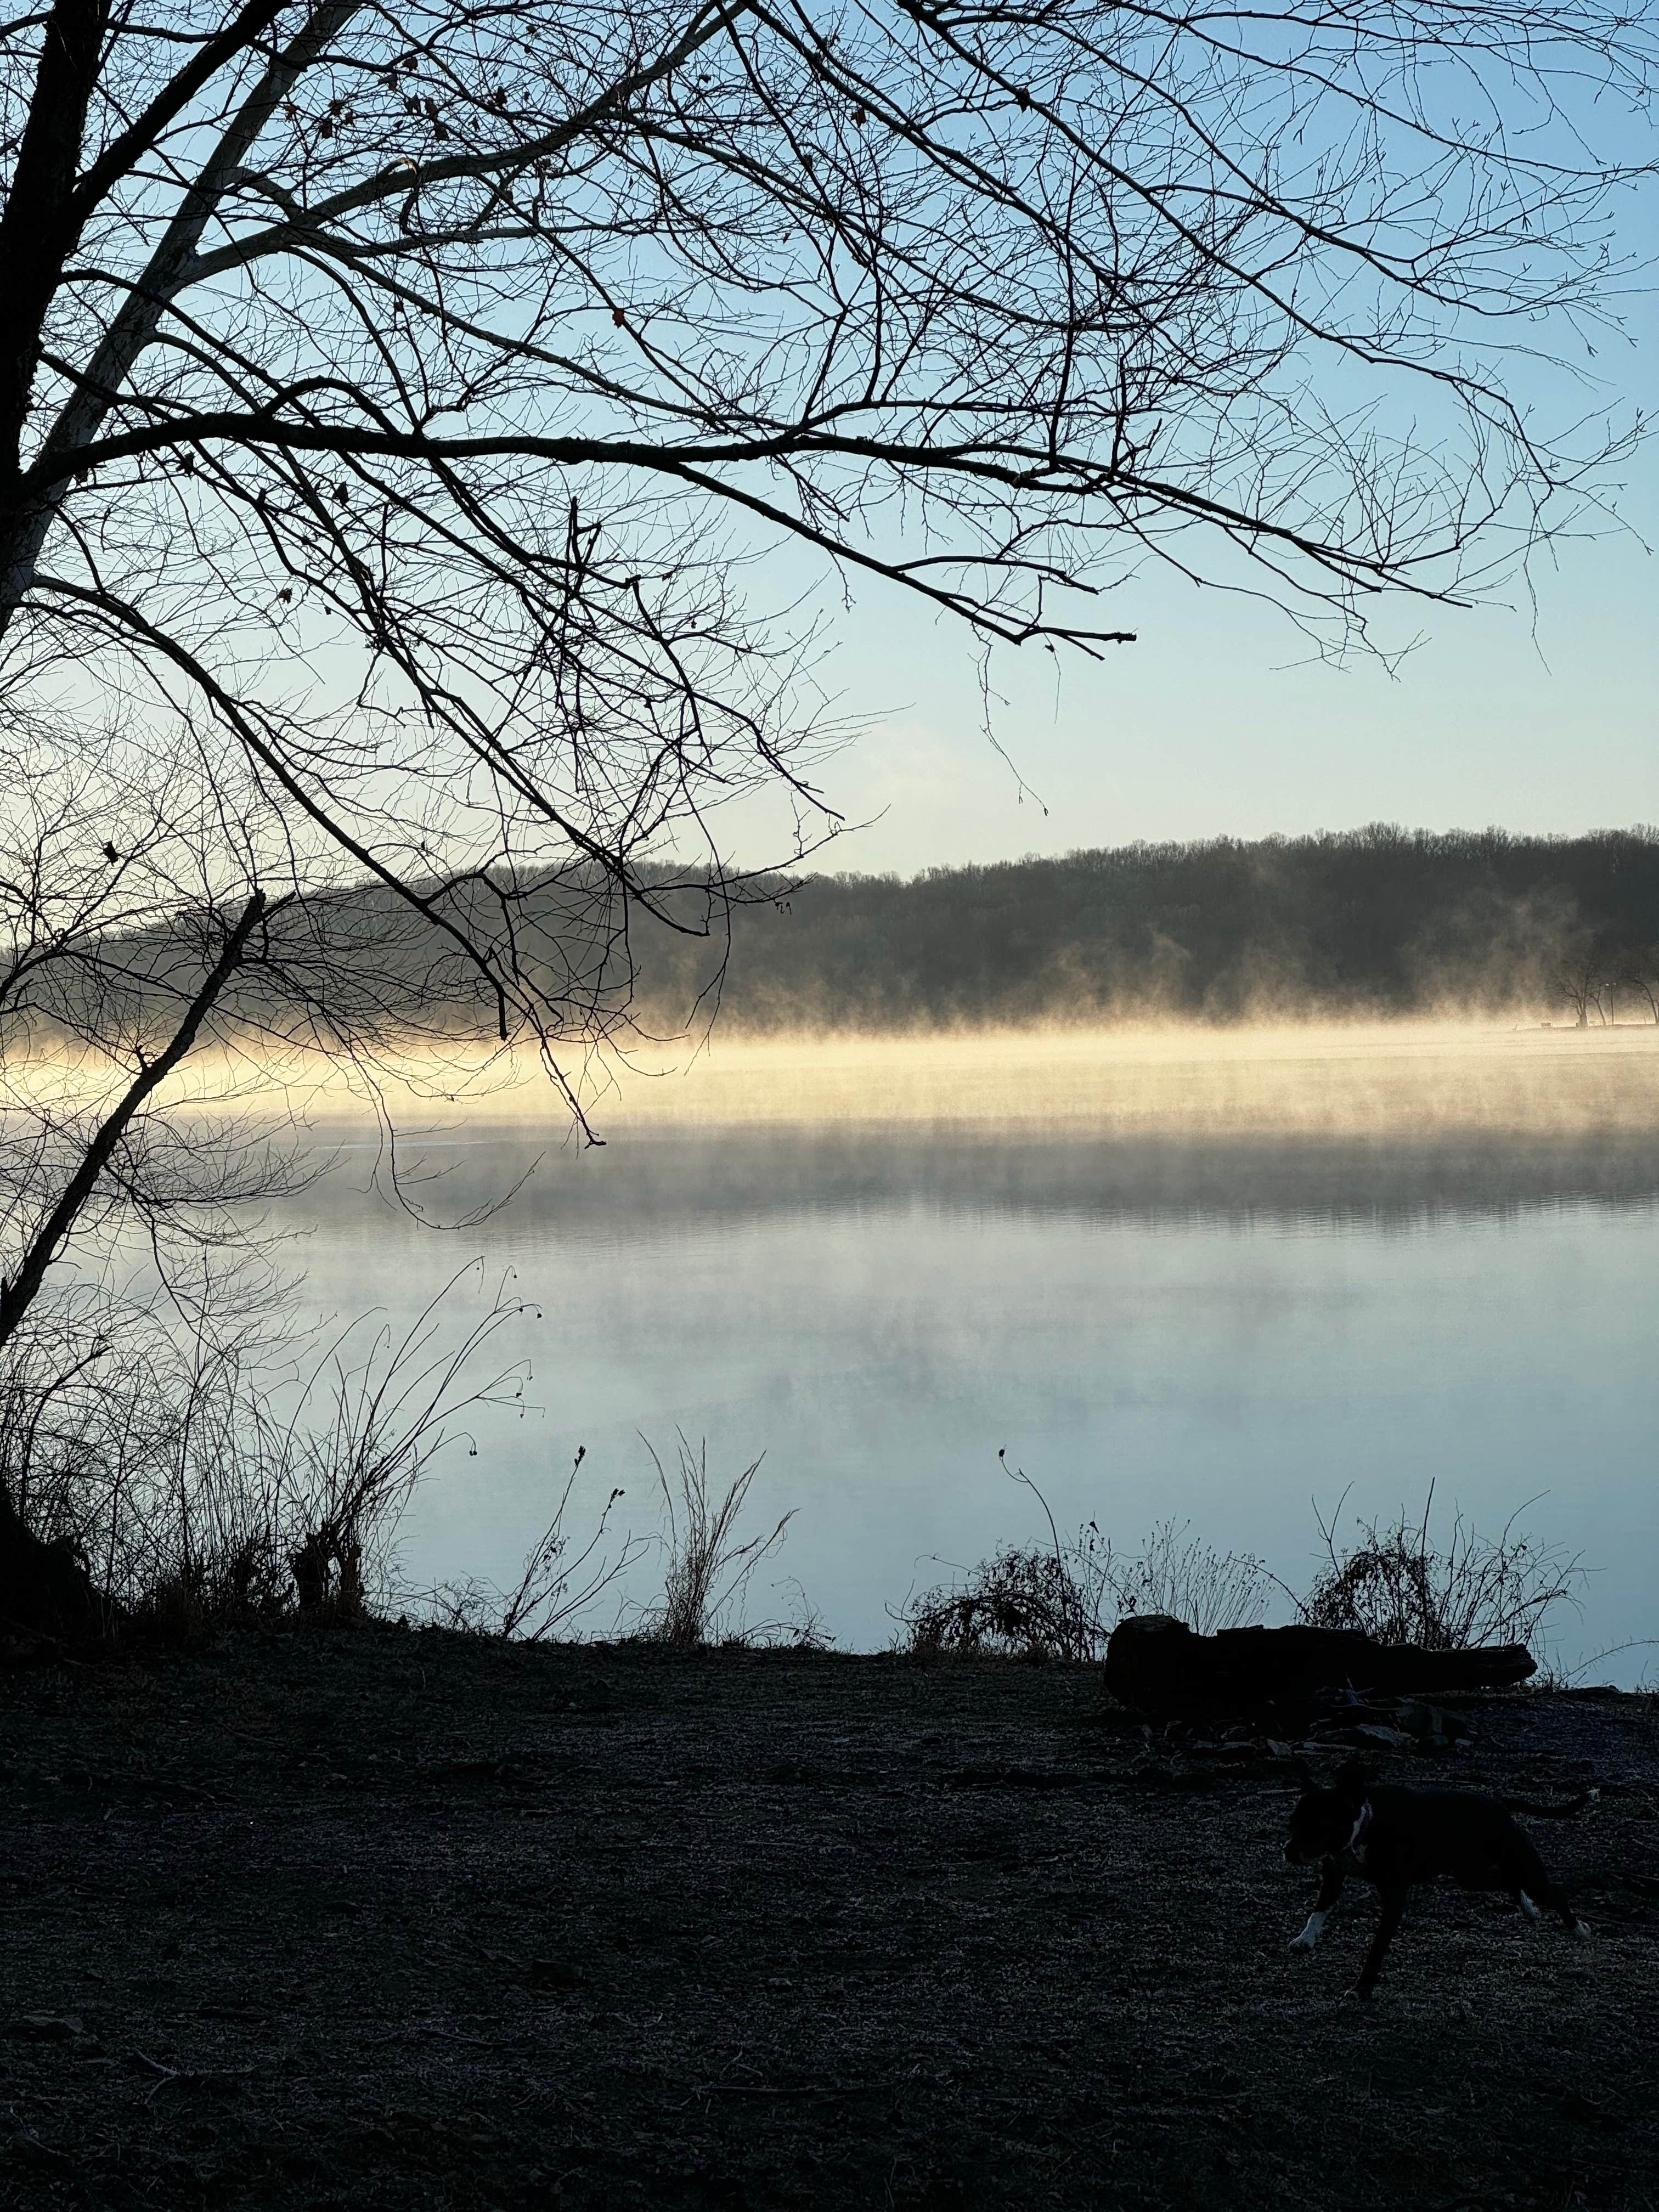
[1202, 1314]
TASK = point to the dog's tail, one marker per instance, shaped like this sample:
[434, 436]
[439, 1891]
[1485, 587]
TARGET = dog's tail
[1551, 1812]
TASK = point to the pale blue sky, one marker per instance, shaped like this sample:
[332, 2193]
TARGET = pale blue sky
[1208, 724]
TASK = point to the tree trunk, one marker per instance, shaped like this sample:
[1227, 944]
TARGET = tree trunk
[18, 1294]
[45, 1590]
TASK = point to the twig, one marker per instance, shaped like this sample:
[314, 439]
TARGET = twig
[170, 2073]
[780, 2090]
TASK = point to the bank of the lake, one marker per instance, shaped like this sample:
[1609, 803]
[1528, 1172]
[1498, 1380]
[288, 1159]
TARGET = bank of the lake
[408, 1919]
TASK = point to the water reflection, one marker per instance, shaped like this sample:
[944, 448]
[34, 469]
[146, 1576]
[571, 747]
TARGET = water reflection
[1219, 1328]
[655, 1177]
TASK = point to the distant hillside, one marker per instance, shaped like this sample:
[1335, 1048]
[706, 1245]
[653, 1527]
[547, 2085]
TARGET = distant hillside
[1379, 920]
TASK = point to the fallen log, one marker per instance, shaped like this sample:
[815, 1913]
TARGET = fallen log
[1158, 1664]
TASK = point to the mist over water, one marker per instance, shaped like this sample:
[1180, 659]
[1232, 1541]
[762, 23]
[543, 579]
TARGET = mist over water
[1215, 1276]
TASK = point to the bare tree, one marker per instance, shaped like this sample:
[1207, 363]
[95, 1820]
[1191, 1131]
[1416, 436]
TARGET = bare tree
[1583, 978]
[1638, 971]
[398, 402]
[117, 962]
[140, 1459]
[419, 427]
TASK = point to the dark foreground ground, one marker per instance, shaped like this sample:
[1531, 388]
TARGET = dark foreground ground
[400, 1919]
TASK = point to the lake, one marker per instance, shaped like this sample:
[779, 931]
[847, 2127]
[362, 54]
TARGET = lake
[1220, 1278]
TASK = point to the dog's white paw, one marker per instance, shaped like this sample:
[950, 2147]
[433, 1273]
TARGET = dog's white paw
[1313, 1927]
[1581, 1929]
[1302, 1942]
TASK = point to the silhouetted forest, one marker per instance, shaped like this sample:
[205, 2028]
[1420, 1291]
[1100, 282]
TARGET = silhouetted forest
[1374, 921]
[1381, 919]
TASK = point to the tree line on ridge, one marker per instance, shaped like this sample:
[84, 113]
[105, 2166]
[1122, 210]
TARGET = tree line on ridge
[1379, 920]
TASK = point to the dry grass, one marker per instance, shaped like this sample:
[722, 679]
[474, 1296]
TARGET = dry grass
[166, 1467]
[1064, 1602]
[1175, 1572]
[1396, 1585]
[557, 1586]
[708, 1567]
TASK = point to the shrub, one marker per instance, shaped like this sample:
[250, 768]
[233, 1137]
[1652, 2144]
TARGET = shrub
[161, 1460]
[556, 1585]
[1395, 1585]
[1186, 1576]
[1064, 1602]
[707, 1568]
[1034, 1605]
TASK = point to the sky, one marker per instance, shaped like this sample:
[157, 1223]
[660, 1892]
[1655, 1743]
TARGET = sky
[1217, 722]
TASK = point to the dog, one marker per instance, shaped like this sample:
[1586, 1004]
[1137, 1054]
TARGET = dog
[1392, 1837]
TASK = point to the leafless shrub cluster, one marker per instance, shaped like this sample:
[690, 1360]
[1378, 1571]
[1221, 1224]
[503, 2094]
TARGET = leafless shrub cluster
[195, 1488]
[1064, 1602]
[1393, 1584]
[1029, 1604]
[1180, 1574]
[558, 1586]
[1398, 1586]
[708, 1565]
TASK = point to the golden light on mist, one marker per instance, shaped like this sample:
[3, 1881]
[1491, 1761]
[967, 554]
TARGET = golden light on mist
[1396, 1080]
